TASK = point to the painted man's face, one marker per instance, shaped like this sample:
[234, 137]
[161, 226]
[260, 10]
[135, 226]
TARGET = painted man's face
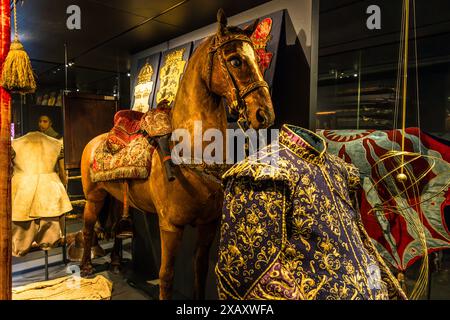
[44, 123]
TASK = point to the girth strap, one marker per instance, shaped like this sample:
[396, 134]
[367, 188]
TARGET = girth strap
[126, 206]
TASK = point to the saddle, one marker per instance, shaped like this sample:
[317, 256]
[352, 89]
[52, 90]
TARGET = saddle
[127, 127]
[126, 153]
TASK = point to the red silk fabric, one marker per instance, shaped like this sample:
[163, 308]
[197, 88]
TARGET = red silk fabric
[5, 153]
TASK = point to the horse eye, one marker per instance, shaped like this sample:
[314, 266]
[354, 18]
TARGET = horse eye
[236, 62]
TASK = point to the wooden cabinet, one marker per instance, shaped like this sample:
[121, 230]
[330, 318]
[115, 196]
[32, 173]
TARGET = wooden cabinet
[85, 117]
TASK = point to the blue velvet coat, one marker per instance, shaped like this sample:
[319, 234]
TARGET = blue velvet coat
[290, 231]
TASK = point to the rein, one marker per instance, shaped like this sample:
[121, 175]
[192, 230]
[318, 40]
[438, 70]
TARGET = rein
[236, 102]
[212, 172]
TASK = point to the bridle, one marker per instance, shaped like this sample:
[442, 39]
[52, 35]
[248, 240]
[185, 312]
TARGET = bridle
[235, 97]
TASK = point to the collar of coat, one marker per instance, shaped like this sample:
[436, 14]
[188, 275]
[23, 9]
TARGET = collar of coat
[303, 143]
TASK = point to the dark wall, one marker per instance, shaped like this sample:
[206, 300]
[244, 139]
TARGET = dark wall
[81, 128]
[434, 91]
[291, 90]
[31, 114]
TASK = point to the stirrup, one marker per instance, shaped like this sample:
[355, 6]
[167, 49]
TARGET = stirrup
[124, 228]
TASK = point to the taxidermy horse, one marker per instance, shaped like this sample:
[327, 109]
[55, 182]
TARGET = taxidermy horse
[224, 66]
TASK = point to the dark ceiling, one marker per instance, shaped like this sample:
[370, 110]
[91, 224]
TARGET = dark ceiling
[111, 30]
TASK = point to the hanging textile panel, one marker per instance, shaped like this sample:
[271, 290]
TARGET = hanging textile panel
[395, 236]
[266, 39]
[172, 66]
[5, 159]
[144, 83]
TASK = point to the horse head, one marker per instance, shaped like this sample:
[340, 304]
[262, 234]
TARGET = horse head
[232, 72]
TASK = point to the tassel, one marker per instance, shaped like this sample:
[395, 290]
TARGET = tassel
[401, 281]
[17, 74]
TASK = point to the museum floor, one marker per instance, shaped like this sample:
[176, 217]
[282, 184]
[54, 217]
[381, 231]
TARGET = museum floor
[30, 269]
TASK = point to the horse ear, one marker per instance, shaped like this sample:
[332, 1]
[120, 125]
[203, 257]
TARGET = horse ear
[222, 20]
[248, 30]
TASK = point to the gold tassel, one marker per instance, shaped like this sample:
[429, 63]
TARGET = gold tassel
[17, 75]
[402, 282]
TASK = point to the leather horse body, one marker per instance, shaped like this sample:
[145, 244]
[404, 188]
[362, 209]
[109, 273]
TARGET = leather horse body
[223, 66]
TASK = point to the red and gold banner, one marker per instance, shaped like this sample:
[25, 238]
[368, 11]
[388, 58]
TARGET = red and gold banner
[5, 147]
[260, 38]
[385, 213]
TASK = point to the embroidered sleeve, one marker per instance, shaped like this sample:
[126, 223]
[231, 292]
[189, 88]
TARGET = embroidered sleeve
[351, 171]
[252, 234]
[394, 289]
[353, 176]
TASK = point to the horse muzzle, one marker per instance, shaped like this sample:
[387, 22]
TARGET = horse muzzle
[264, 117]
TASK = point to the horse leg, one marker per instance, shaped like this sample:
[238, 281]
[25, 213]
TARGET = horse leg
[115, 256]
[91, 212]
[205, 237]
[170, 242]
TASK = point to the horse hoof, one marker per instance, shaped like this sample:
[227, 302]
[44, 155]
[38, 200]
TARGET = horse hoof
[87, 270]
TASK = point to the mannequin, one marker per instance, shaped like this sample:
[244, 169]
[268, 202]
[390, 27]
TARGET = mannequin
[45, 126]
[39, 199]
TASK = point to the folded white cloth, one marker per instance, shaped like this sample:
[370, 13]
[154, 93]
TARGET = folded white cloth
[66, 288]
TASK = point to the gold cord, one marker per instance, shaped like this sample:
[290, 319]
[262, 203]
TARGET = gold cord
[403, 191]
[16, 35]
[398, 81]
[359, 91]
[417, 77]
[405, 78]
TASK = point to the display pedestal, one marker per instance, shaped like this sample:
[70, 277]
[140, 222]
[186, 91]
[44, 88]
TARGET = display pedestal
[46, 264]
